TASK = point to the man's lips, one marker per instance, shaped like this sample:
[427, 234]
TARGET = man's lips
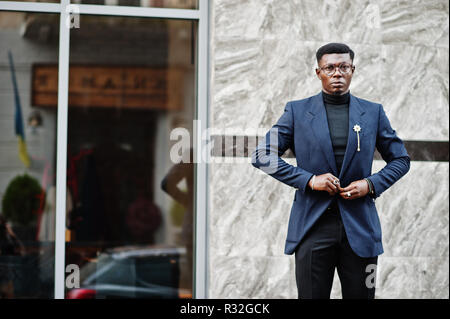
[337, 83]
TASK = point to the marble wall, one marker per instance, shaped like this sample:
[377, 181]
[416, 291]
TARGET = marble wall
[263, 55]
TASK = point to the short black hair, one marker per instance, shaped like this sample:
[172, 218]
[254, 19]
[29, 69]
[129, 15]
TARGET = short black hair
[334, 48]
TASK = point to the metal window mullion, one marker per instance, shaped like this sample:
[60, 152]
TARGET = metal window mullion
[201, 224]
[30, 6]
[61, 147]
[148, 12]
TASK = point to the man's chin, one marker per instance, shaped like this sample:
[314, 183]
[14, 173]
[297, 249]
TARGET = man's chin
[338, 91]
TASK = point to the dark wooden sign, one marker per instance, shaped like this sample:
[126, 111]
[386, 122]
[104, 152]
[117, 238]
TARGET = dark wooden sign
[111, 86]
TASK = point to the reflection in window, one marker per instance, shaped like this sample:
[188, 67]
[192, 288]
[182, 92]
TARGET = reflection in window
[27, 160]
[129, 228]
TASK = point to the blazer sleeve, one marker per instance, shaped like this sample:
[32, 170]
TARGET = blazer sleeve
[267, 154]
[393, 152]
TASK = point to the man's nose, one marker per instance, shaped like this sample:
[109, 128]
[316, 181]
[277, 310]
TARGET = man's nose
[337, 72]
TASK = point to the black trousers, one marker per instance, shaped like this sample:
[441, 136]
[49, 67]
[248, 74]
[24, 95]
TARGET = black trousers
[325, 248]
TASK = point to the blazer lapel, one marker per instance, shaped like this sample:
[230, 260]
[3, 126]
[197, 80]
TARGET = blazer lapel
[319, 127]
[355, 118]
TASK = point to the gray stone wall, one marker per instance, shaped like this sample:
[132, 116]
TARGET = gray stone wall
[262, 56]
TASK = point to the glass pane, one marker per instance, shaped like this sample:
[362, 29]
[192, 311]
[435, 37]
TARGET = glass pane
[29, 41]
[174, 4]
[130, 226]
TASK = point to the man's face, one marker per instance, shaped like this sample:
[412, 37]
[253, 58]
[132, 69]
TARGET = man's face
[339, 82]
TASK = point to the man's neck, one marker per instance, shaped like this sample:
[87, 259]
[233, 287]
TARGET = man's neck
[336, 93]
[336, 98]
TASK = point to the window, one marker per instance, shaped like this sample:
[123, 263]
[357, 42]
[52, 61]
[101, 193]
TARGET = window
[104, 108]
[131, 82]
[27, 161]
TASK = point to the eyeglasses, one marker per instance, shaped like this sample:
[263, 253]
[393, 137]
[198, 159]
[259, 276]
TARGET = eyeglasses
[344, 68]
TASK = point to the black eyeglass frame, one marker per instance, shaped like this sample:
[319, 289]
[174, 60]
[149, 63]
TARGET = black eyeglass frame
[335, 67]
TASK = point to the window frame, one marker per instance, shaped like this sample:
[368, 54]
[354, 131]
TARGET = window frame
[201, 123]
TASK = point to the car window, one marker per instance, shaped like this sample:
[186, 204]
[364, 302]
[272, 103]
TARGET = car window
[111, 271]
[160, 270]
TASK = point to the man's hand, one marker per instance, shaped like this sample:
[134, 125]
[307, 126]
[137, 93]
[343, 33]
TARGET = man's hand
[356, 189]
[326, 182]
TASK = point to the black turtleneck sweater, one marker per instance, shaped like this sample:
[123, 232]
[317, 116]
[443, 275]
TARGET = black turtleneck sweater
[337, 115]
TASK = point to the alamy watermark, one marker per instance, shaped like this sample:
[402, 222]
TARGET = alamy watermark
[417, 272]
[73, 17]
[72, 276]
[264, 154]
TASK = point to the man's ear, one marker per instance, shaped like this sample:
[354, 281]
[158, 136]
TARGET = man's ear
[318, 73]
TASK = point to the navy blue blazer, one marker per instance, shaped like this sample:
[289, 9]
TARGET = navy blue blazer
[303, 128]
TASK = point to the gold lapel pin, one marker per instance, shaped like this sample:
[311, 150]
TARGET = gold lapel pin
[357, 129]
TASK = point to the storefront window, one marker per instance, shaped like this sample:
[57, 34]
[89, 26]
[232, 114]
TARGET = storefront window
[130, 205]
[27, 154]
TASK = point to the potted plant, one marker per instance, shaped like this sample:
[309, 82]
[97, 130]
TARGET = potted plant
[21, 204]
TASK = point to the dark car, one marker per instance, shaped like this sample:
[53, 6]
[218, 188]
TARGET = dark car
[132, 272]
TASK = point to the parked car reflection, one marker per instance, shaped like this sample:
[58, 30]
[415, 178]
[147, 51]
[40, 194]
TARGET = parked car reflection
[133, 272]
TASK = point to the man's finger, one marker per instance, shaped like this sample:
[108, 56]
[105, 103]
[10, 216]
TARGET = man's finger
[348, 188]
[333, 178]
[345, 195]
[332, 187]
[329, 189]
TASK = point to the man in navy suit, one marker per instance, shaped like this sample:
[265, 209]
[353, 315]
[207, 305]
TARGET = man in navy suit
[333, 222]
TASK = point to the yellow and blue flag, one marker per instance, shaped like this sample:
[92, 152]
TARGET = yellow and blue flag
[23, 154]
